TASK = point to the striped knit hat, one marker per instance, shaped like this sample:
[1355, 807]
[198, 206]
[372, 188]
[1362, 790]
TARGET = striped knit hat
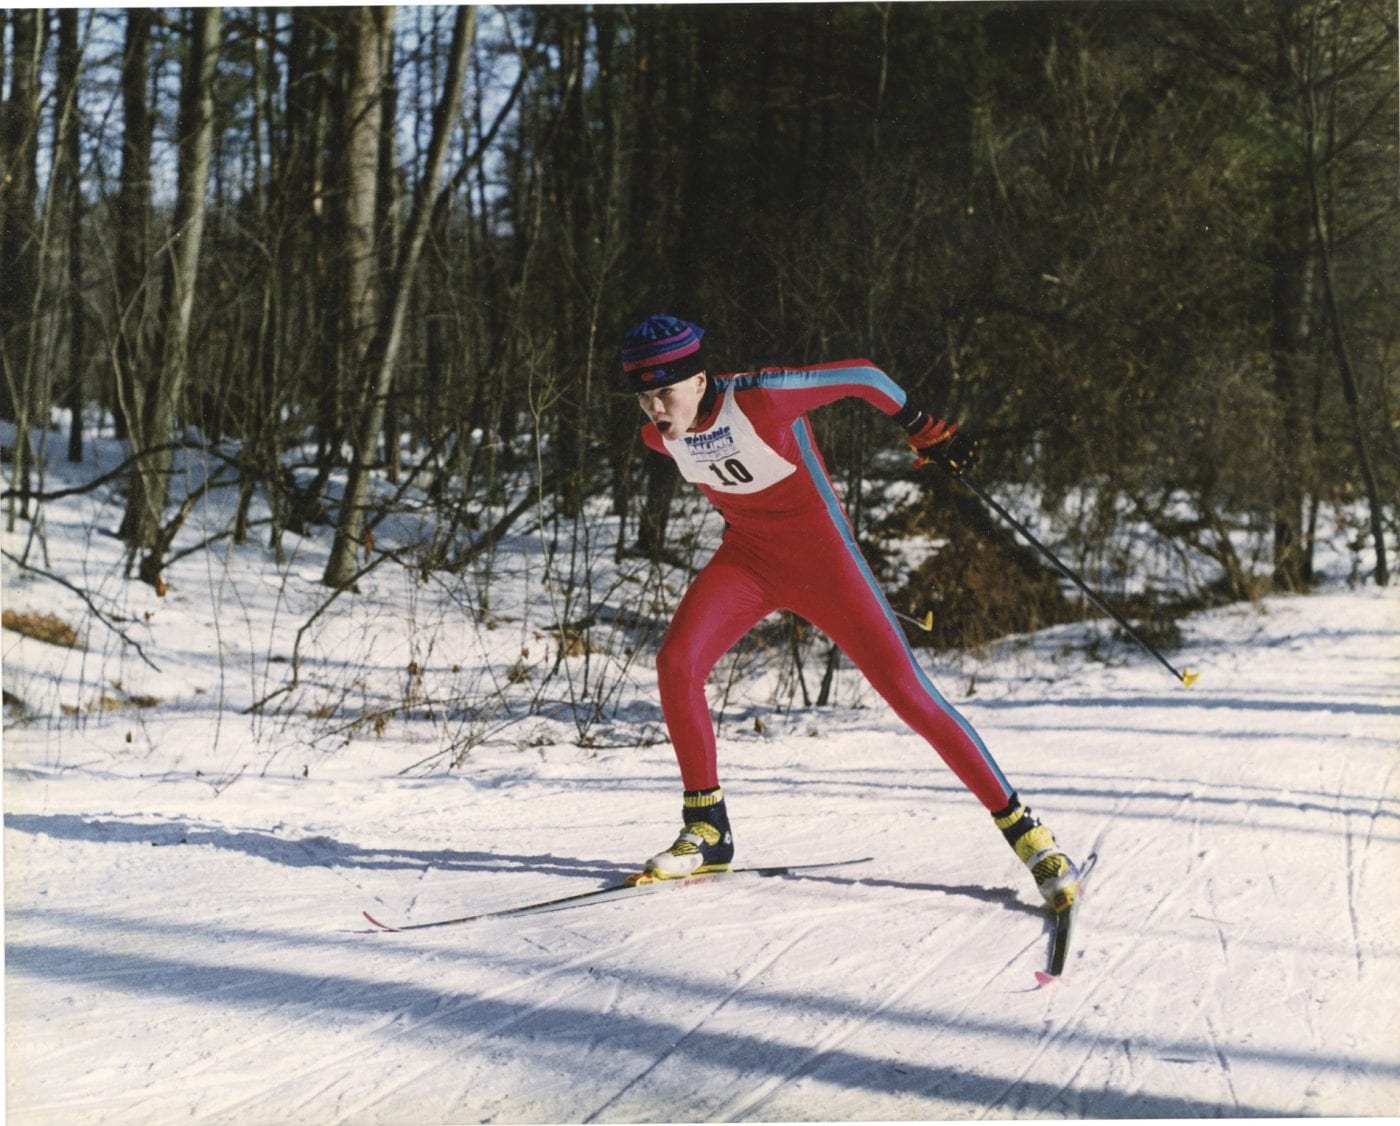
[660, 351]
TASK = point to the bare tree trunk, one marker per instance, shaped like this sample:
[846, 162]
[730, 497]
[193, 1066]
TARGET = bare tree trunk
[361, 112]
[307, 311]
[384, 349]
[258, 428]
[684, 89]
[1290, 265]
[19, 144]
[389, 233]
[363, 122]
[132, 219]
[1333, 312]
[69, 146]
[162, 393]
[20, 242]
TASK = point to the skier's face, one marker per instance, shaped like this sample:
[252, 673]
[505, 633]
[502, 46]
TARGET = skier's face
[673, 409]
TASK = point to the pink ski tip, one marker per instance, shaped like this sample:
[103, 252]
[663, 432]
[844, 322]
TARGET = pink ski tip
[1043, 978]
[377, 923]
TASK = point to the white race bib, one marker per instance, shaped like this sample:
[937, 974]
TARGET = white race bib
[729, 455]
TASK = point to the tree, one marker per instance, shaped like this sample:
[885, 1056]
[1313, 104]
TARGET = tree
[157, 397]
[381, 356]
[1325, 77]
[1146, 250]
[19, 241]
[131, 214]
[1338, 52]
[68, 150]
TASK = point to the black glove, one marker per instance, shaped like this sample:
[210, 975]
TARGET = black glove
[955, 457]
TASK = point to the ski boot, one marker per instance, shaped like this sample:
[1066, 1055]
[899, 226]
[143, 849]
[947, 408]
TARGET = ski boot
[705, 843]
[1054, 872]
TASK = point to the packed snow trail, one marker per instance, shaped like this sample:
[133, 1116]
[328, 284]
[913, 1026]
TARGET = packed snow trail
[177, 951]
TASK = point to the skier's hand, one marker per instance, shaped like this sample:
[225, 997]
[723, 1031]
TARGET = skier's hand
[941, 443]
[955, 455]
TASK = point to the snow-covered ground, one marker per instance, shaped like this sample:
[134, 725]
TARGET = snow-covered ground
[184, 881]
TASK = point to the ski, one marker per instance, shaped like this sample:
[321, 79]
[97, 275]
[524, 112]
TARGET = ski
[621, 890]
[1064, 927]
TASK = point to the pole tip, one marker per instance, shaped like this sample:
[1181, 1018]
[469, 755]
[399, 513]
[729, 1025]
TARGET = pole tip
[1189, 678]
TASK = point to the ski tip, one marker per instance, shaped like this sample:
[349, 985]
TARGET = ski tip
[376, 923]
[1042, 978]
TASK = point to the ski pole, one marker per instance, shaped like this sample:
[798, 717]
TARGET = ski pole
[925, 623]
[1187, 677]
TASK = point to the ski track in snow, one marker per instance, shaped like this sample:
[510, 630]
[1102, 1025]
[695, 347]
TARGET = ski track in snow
[183, 883]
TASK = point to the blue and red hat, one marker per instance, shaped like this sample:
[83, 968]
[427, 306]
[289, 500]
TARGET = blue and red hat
[660, 351]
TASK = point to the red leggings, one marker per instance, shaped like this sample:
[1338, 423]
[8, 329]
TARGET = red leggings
[822, 577]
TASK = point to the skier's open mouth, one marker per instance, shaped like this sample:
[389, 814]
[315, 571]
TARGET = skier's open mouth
[664, 427]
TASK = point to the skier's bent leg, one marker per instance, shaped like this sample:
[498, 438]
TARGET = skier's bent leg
[868, 633]
[722, 604]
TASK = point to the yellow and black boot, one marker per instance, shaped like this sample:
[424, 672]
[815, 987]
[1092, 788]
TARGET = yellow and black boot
[705, 843]
[1054, 872]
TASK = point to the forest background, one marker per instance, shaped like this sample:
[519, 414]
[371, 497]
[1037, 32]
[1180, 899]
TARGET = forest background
[368, 261]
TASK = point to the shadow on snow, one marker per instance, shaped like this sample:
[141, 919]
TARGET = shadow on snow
[457, 1013]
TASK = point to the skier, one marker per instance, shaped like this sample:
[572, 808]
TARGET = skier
[745, 441]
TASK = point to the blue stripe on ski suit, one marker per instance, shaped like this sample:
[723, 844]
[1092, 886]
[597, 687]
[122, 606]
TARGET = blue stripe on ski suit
[838, 519]
[863, 375]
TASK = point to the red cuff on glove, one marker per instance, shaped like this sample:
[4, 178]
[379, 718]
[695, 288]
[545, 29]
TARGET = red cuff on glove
[934, 432]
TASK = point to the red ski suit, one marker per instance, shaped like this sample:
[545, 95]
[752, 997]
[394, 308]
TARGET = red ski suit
[788, 545]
